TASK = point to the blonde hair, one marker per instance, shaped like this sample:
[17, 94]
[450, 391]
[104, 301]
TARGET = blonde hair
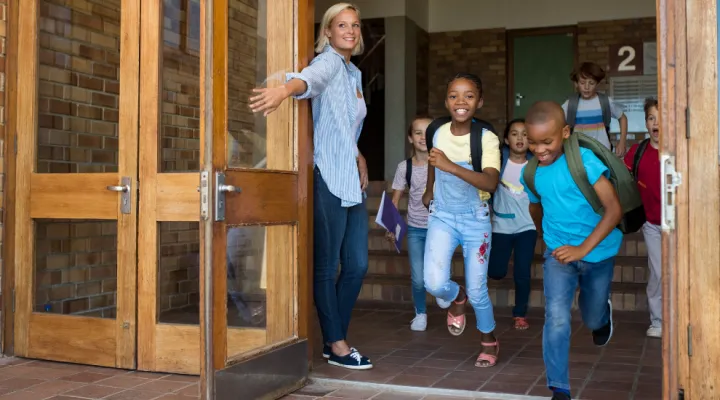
[327, 20]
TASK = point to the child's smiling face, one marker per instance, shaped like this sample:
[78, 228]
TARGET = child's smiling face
[417, 134]
[517, 138]
[463, 99]
[545, 140]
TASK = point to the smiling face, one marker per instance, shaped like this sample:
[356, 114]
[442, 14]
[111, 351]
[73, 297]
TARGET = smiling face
[344, 32]
[586, 86]
[463, 99]
[417, 134]
[652, 125]
[545, 140]
[517, 138]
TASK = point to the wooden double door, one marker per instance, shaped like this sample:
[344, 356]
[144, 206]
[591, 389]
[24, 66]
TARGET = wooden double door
[158, 224]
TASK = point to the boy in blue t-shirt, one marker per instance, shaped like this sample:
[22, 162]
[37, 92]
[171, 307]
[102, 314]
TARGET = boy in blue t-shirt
[581, 244]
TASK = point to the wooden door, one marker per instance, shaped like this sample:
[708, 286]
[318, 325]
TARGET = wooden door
[257, 284]
[169, 200]
[76, 181]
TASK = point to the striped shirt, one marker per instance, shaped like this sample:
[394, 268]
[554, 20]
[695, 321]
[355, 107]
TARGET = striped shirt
[332, 84]
[589, 118]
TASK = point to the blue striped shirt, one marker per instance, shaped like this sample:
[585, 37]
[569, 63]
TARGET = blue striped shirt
[332, 84]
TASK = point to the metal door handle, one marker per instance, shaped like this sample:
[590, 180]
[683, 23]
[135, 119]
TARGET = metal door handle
[122, 188]
[125, 194]
[229, 188]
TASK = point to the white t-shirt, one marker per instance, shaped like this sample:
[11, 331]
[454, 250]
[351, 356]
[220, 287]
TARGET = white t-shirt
[589, 120]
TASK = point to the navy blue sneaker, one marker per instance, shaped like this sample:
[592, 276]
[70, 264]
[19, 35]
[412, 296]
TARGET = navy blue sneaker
[354, 360]
[327, 350]
[602, 336]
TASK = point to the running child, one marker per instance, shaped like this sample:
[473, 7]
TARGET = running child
[643, 160]
[513, 228]
[581, 244]
[457, 198]
[417, 216]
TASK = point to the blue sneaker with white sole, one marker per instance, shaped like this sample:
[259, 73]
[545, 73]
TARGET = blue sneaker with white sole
[354, 360]
[327, 350]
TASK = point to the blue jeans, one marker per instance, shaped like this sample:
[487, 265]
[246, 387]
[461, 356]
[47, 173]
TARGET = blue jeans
[416, 254]
[340, 237]
[522, 246]
[560, 282]
[471, 230]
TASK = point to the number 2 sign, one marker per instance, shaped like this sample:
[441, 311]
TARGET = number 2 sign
[626, 59]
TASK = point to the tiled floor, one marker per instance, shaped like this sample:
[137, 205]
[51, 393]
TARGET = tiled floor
[39, 380]
[630, 367]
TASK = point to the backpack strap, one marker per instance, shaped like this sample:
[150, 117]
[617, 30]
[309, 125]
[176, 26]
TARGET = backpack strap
[432, 128]
[638, 156]
[571, 147]
[529, 176]
[476, 133]
[572, 108]
[408, 171]
[606, 115]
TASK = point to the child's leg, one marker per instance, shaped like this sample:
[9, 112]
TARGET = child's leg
[654, 288]
[442, 239]
[502, 245]
[559, 283]
[595, 281]
[416, 254]
[524, 253]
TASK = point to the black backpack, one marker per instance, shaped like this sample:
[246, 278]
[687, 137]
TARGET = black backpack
[408, 171]
[574, 101]
[476, 132]
[638, 156]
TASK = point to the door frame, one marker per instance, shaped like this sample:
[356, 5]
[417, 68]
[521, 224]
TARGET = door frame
[510, 36]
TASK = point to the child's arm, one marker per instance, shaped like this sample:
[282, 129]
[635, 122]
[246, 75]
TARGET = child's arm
[488, 179]
[536, 212]
[613, 214]
[428, 195]
[622, 145]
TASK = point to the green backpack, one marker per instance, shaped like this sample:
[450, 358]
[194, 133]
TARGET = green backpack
[620, 177]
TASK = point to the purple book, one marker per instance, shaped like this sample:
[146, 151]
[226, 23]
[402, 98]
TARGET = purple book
[389, 218]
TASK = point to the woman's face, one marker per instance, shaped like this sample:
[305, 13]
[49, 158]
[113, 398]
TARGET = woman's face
[344, 32]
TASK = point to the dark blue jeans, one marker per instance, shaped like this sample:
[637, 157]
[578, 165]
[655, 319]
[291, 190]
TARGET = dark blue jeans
[340, 238]
[523, 245]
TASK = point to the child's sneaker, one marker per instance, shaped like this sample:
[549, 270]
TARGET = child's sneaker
[558, 395]
[602, 336]
[327, 350]
[654, 332]
[354, 360]
[419, 323]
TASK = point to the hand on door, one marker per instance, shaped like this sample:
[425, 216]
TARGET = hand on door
[268, 99]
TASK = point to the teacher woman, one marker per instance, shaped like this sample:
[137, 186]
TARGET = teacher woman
[340, 175]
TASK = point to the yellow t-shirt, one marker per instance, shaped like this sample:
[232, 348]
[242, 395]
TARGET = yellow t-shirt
[457, 150]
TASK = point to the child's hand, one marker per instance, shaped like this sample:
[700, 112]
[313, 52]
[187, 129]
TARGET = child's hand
[390, 237]
[568, 254]
[427, 198]
[439, 160]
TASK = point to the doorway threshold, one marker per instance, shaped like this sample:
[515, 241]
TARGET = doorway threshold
[329, 383]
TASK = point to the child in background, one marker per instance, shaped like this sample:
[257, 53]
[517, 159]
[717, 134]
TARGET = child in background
[581, 244]
[591, 108]
[417, 213]
[513, 228]
[460, 214]
[643, 160]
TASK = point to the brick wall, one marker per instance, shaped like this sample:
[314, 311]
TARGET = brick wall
[481, 52]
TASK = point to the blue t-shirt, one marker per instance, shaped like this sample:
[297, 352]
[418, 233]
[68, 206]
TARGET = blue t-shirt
[568, 218]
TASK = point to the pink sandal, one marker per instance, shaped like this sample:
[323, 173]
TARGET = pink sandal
[521, 323]
[491, 359]
[456, 324]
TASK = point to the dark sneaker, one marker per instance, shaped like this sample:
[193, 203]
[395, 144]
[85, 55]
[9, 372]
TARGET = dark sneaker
[354, 360]
[327, 350]
[602, 336]
[560, 396]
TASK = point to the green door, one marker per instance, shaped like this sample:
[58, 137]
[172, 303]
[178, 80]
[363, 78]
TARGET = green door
[541, 70]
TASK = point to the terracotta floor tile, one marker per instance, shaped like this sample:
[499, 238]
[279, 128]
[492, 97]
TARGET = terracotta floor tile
[19, 383]
[315, 390]
[23, 395]
[50, 388]
[94, 391]
[122, 381]
[603, 394]
[354, 393]
[511, 388]
[84, 377]
[413, 380]
[163, 386]
[457, 384]
[133, 394]
[192, 391]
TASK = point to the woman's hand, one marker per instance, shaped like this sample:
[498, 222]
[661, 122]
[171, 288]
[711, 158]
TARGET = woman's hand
[268, 100]
[362, 168]
[439, 160]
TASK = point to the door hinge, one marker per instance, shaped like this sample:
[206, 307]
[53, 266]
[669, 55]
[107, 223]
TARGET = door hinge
[671, 179]
[687, 122]
[689, 340]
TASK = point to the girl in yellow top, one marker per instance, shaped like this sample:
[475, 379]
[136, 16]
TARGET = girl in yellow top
[457, 197]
